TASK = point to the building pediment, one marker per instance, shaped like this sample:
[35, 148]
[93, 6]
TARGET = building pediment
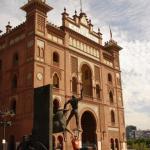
[81, 25]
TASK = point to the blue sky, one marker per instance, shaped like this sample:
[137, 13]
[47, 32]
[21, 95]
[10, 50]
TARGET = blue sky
[130, 23]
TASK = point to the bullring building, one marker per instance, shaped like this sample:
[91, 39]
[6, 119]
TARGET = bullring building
[36, 53]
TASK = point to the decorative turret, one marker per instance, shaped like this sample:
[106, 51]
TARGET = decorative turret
[113, 48]
[75, 17]
[112, 44]
[36, 15]
[90, 25]
[8, 27]
[65, 14]
[36, 5]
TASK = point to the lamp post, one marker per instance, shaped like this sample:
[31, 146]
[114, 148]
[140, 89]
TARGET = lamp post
[5, 118]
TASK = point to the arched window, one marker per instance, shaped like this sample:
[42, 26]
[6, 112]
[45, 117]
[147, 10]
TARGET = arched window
[109, 77]
[55, 81]
[74, 85]
[112, 146]
[14, 82]
[15, 59]
[97, 91]
[112, 117]
[38, 51]
[111, 97]
[13, 106]
[55, 57]
[42, 52]
[116, 144]
[87, 80]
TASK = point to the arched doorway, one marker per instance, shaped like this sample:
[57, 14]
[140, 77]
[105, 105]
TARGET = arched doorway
[87, 80]
[88, 124]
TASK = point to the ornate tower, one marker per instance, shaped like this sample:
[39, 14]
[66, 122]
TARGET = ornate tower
[36, 11]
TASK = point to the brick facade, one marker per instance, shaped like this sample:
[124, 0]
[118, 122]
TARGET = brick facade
[72, 56]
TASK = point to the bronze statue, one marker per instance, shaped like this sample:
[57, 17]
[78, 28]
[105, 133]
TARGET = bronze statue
[74, 112]
[59, 121]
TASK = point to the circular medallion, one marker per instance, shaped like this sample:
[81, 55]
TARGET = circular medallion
[39, 76]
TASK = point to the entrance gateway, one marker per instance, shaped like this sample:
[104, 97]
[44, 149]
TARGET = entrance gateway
[88, 124]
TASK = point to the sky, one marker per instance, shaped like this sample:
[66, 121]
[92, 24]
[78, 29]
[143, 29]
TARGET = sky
[130, 25]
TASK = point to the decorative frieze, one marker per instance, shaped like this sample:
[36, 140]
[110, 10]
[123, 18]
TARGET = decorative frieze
[83, 31]
[55, 39]
[83, 47]
[108, 62]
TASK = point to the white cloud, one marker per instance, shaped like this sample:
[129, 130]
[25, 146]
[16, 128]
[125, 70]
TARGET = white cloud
[136, 82]
[135, 65]
[138, 118]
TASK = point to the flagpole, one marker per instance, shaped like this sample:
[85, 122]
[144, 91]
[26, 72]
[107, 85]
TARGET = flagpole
[81, 5]
[110, 33]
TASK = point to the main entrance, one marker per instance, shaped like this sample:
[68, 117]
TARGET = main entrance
[88, 124]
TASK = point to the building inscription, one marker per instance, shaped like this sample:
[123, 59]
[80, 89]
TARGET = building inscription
[83, 31]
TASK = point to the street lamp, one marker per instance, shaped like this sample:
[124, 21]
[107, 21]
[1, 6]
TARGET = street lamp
[5, 118]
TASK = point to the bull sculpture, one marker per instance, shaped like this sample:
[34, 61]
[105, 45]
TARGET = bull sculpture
[59, 121]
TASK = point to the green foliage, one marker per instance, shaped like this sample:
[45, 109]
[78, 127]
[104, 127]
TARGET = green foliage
[139, 144]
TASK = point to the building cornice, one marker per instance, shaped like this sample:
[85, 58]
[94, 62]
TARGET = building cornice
[13, 31]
